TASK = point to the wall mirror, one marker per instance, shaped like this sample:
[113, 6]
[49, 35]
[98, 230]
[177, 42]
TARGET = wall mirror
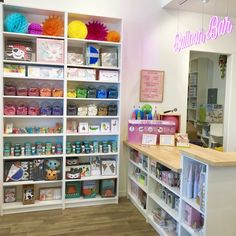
[206, 98]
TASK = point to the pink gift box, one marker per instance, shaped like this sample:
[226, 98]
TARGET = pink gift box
[136, 129]
[50, 50]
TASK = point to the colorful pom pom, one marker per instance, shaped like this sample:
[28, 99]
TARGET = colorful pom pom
[113, 36]
[53, 26]
[16, 22]
[77, 29]
[35, 28]
[97, 31]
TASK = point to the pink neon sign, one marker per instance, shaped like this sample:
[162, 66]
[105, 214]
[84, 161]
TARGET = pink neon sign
[217, 28]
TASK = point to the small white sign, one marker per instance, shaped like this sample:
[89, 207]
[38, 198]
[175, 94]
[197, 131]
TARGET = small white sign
[149, 139]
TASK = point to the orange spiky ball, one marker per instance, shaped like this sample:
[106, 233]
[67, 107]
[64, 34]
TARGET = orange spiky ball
[113, 36]
[53, 26]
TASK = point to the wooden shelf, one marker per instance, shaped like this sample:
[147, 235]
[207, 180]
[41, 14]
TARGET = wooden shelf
[143, 187]
[139, 166]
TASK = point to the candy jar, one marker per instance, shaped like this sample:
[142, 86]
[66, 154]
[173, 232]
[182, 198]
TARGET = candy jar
[22, 90]
[46, 109]
[33, 89]
[22, 109]
[57, 109]
[33, 109]
[9, 109]
[10, 89]
[57, 91]
[45, 90]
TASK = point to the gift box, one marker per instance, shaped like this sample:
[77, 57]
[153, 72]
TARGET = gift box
[50, 50]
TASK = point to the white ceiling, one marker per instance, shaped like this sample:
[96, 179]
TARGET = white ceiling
[212, 7]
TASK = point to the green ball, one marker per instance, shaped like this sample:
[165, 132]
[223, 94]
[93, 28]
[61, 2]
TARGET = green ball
[147, 108]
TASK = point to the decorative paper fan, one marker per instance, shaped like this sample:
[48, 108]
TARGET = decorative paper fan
[97, 31]
[54, 26]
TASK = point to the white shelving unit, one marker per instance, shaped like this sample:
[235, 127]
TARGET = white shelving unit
[206, 196]
[21, 121]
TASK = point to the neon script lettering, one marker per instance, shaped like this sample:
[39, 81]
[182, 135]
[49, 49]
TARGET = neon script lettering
[217, 28]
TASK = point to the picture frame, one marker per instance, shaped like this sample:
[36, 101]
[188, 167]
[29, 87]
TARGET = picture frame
[10, 194]
[151, 86]
[167, 140]
[47, 194]
[28, 194]
[149, 139]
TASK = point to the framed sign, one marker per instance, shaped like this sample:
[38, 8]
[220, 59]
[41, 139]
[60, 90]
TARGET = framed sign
[151, 86]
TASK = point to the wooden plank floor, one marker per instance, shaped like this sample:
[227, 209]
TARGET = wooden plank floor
[106, 220]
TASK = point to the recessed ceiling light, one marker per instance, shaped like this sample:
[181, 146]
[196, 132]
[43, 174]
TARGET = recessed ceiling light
[205, 1]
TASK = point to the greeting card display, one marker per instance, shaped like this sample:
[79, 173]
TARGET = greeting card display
[10, 194]
[108, 167]
[50, 50]
[28, 194]
[107, 188]
[47, 194]
[73, 189]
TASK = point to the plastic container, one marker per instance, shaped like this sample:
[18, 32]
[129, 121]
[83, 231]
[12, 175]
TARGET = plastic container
[46, 109]
[22, 109]
[81, 92]
[112, 110]
[33, 109]
[33, 90]
[10, 89]
[71, 109]
[45, 90]
[9, 109]
[71, 93]
[112, 93]
[57, 109]
[102, 110]
[57, 91]
[22, 90]
[91, 93]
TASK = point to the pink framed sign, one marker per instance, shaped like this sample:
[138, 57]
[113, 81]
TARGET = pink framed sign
[151, 86]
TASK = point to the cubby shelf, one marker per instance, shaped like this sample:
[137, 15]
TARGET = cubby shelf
[31, 157]
[95, 177]
[33, 63]
[30, 78]
[137, 165]
[174, 190]
[32, 97]
[33, 135]
[92, 154]
[143, 187]
[15, 74]
[164, 206]
[93, 81]
[31, 182]
[28, 36]
[193, 204]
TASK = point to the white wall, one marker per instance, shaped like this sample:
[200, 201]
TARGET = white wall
[149, 33]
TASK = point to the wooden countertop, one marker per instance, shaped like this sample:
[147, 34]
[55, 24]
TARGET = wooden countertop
[171, 156]
[210, 156]
[167, 156]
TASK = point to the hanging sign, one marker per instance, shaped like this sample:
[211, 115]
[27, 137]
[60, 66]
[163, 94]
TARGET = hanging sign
[217, 27]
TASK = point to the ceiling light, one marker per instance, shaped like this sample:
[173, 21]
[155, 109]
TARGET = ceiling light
[205, 1]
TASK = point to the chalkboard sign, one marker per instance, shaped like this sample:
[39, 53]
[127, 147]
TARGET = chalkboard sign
[151, 86]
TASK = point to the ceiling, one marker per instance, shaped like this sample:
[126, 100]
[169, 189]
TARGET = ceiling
[212, 7]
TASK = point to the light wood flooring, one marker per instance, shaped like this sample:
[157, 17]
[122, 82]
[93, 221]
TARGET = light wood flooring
[106, 220]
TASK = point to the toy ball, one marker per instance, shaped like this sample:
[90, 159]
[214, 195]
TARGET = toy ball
[97, 30]
[53, 26]
[113, 36]
[77, 29]
[16, 22]
[35, 28]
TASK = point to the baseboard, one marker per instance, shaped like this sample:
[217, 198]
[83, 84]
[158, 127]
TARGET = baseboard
[122, 194]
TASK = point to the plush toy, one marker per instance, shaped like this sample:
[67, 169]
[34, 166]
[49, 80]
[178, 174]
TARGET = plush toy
[77, 29]
[54, 26]
[97, 31]
[113, 36]
[53, 164]
[16, 22]
[51, 175]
